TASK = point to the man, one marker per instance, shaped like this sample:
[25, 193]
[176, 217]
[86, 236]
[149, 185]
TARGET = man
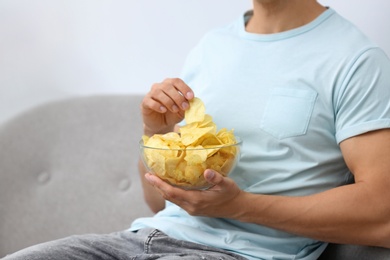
[309, 96]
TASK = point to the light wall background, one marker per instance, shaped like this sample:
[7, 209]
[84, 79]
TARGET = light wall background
[52, 49]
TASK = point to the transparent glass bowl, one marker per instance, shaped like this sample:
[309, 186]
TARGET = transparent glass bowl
[184, 168]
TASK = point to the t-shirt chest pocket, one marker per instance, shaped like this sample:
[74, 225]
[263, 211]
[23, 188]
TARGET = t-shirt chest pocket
[288, 112]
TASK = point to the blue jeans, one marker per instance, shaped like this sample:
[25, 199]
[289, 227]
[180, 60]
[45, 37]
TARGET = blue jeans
[145, 244]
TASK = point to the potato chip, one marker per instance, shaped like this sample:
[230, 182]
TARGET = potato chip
[196, 112]
[190, 135]
[181, 158]
[195, 155]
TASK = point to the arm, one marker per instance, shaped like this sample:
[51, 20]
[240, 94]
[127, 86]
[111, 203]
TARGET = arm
[358, 213]
[152, 197]
[162, 108]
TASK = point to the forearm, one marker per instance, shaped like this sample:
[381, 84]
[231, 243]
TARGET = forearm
[151, 195]
[352, 214]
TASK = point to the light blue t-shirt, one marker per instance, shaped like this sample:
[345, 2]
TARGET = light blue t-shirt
[292, 97]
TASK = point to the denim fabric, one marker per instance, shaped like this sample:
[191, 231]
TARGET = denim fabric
[145, 244]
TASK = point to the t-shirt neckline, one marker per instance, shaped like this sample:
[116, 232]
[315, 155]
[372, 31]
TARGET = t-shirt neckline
[282, 35]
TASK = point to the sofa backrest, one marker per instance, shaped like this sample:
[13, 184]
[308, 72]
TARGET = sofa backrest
[70, 167]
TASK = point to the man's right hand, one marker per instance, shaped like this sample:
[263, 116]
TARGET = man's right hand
[164, 105]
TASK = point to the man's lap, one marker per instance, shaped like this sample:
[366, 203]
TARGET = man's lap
[144, 244]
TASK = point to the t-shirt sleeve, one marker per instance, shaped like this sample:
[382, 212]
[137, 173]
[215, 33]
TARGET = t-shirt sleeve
[362, 104]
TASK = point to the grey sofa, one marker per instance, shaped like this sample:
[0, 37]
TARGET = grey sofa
[70, 167]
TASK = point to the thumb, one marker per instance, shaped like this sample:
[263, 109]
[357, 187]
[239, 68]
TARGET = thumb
[213, 177]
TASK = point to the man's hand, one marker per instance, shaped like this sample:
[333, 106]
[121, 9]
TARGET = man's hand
[164, 105]
[218, 201]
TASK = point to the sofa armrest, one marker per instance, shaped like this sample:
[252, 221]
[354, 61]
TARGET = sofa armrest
[354, 252]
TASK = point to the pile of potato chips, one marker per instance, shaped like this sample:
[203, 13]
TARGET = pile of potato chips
[181, 158]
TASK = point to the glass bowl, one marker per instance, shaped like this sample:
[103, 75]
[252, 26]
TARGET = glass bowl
[184, 167]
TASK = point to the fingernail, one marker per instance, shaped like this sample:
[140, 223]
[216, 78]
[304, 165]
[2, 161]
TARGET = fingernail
[189, 95]
[210, 174]
[163, 109]
[175, 108]
[184, 105]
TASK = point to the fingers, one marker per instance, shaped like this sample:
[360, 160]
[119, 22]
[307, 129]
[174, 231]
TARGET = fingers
[213, 177]
[167, 191]
[170, 95]
[213, 202]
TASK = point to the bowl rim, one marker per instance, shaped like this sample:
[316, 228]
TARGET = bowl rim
[237, 143]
